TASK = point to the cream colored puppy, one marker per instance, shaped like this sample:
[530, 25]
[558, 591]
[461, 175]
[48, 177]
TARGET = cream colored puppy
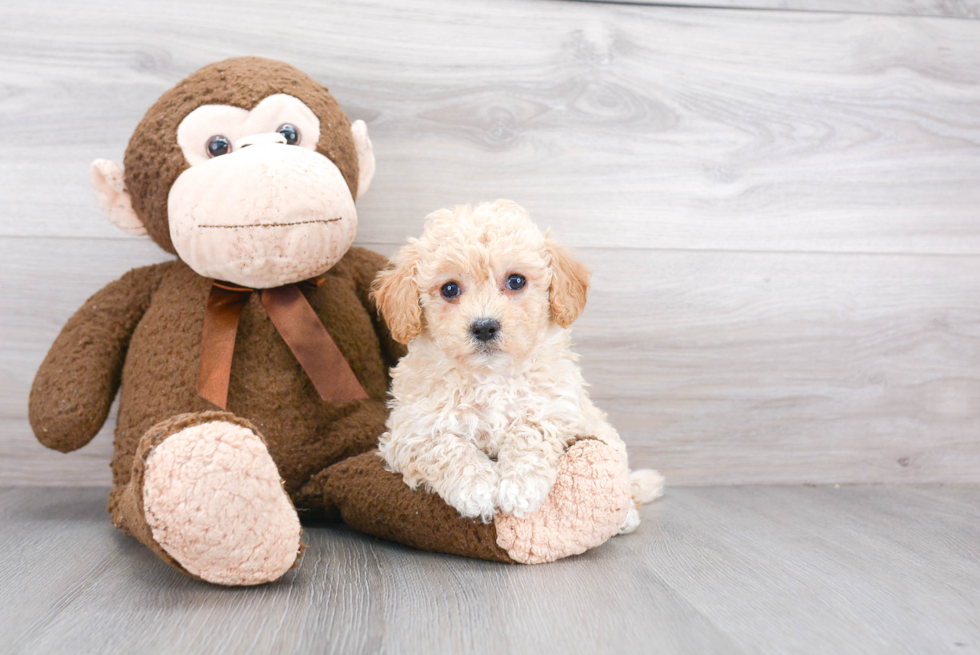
[489, 395]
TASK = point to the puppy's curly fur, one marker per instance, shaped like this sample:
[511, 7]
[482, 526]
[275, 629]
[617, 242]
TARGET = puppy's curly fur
[489, 395]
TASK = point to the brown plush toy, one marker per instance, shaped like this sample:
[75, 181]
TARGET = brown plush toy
[254, 368]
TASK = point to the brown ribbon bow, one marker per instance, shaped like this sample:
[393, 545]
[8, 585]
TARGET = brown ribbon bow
[294, 320]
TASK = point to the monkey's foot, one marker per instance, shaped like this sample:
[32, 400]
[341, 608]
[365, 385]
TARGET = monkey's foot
[214, 502]
[587, 506]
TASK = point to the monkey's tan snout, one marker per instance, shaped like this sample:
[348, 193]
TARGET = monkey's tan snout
[263, 137]
[262, 216]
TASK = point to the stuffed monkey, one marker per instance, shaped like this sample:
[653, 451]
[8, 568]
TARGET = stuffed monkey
[253, 369]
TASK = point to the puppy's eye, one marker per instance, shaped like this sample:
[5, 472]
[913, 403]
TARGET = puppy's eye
[450, 290]
[290, 133]
[516, 282]
[218, 145]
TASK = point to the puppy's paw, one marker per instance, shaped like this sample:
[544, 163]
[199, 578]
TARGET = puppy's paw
[521, 494]
[631, 522]
[474, 496]
[588, 504]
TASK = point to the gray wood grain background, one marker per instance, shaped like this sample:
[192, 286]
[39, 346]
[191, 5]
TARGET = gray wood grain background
[781, 208]
[951, 8]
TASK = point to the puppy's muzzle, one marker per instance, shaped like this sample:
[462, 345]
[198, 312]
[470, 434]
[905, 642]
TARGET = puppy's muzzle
[485, 329]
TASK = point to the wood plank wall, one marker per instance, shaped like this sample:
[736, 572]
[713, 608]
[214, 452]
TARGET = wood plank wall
[782, 208]
[950, 8]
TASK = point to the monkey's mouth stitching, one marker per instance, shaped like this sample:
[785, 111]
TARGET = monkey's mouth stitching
[235, 227]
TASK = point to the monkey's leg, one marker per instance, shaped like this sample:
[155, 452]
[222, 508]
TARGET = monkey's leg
[587, 505]
[207, 498]
[355, 433]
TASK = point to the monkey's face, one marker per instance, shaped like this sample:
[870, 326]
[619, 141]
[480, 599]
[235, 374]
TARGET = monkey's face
[247, 170]
[259, 206]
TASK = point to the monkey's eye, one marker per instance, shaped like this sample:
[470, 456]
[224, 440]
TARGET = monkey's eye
[289, 131]
[218, 145]
[515, 281]
[450, 290]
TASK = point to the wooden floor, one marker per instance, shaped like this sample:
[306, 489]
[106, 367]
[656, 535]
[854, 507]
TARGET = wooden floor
[711, 570]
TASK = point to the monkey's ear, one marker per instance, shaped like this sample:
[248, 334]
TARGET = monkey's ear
[397, 295]
[365, 156]
[569, 284]
[110, 190]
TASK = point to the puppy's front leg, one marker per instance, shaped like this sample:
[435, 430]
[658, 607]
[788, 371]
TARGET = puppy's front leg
[456, 470]
[468, 482]
[528, 465]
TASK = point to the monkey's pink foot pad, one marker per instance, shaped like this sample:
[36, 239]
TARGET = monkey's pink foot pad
[214, 499]
[587, 506]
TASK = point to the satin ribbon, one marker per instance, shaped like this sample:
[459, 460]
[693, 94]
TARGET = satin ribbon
[294, 320]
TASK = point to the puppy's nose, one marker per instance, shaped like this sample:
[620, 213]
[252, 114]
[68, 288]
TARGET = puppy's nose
[484, 329]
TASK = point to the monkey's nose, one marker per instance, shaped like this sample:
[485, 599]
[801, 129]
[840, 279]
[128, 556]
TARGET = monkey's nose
[484, 329]
[264, 137]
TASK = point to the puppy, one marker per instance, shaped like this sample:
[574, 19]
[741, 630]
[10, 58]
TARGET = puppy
[489, 395]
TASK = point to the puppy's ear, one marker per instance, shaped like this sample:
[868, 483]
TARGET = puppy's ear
[397, 295]
[569, 284]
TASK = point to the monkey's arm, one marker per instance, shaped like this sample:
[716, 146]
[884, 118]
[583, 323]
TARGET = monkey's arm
[74, 388]
[366, 264]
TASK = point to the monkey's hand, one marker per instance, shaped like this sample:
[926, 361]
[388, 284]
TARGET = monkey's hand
[74, 388]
